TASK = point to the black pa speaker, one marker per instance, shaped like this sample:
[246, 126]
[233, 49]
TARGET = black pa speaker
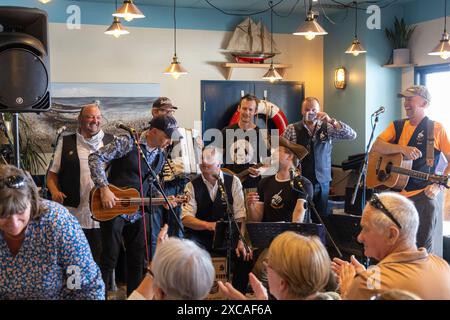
[24, 60]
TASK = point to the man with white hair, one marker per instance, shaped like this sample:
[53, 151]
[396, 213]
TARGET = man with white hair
[206, 206]
[389, 226]
[410, 137]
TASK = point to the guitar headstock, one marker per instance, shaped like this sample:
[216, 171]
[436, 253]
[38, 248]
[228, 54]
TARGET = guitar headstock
[440, 180]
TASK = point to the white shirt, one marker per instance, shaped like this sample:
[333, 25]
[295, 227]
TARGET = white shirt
[84, 148]
[190, 208]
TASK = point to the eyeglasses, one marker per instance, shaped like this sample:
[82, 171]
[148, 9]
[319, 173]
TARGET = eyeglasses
[13, 182]
[376, 203]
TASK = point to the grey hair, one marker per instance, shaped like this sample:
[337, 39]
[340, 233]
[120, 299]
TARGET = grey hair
[183, 270]
[403, 210]
[216, 151]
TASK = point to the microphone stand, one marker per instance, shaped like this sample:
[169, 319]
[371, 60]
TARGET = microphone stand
[50, 164]
[231, 222]
[299, 188]
[151, 174]
[363, 173]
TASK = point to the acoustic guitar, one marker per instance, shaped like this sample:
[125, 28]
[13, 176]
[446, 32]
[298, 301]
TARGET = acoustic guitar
[393, 172]
[128, 203]
[243, 175]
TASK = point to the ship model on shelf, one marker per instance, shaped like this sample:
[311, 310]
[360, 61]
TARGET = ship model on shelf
[250, 43]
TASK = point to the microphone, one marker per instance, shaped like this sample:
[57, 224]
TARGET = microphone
[61, 130]
[379, 111]
[295, 182]
[129, 129]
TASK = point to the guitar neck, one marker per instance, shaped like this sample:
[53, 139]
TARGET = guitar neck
[146, 201]
[247, 171]
[411, 173]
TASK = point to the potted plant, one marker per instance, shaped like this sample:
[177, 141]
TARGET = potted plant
[31, 154]
[399, 38]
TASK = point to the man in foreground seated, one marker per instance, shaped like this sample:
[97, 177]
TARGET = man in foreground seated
[206, 206]
[389, 227]
[276, 199]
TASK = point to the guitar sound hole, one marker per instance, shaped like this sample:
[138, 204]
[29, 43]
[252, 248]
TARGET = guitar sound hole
[382, 176]
[388, 167]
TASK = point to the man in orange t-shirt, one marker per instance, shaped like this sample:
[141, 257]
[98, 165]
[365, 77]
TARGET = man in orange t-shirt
[409, 137]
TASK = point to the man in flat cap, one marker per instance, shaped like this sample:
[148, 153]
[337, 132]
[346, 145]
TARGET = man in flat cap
[173, 181]
[126, 167]
[410, 137]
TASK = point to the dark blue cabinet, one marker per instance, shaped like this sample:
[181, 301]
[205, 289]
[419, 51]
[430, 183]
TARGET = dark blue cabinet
[220, 99]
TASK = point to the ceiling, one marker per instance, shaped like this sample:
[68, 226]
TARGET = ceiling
[242, 6]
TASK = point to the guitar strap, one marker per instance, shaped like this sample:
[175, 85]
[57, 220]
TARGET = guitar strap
[430, 143]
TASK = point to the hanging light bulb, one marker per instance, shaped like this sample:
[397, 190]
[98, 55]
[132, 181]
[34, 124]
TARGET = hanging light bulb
[44, 1]
[116, 29]
[310, 28]
[443, 48]
[356, 48]
[128, 11]
[272, 74]
[175, 69]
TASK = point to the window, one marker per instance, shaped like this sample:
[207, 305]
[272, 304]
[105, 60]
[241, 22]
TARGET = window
[436, 78]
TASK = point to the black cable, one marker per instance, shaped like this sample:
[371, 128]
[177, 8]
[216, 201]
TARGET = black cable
[174, 28]
[329, 19]
[290, 11]
[356, 17]
[241, 14]
[445, 16]
[366, 2]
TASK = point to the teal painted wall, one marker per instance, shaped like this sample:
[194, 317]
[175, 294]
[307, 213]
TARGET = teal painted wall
[99, 13]
[347, 105]
[424, 10]
[382, 84]
[370, 85]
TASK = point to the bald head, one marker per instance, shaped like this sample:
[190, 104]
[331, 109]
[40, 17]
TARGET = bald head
[89, 120]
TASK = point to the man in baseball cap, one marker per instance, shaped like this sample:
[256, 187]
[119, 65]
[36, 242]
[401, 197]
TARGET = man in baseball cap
[414, 91]
[167, 124]
[163, 106]
[410, 137]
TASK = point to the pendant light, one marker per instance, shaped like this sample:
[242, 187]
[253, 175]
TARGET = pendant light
[116, 29]
[175, 69]
[44, 1]
[443, 48]
[310, 28]
[128, 11]
[356, 48]
[272, 74]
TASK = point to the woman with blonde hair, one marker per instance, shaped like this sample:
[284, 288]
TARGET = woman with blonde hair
[298, 268]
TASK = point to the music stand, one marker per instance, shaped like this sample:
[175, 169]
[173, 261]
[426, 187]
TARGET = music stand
[262, 233]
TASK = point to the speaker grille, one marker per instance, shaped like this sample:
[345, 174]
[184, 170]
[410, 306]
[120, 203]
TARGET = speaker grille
[24, 81]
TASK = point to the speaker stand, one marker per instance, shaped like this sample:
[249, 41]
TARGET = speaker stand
[15, 127]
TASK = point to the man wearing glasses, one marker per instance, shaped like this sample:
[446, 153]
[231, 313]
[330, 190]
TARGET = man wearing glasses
[389, 226]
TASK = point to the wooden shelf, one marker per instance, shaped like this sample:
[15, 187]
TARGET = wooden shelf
[230, 66]
[399, 65]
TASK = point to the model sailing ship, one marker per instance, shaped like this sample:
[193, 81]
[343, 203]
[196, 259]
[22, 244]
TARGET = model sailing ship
[250, 43]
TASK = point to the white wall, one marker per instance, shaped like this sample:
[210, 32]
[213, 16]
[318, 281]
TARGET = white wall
[87, 55]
